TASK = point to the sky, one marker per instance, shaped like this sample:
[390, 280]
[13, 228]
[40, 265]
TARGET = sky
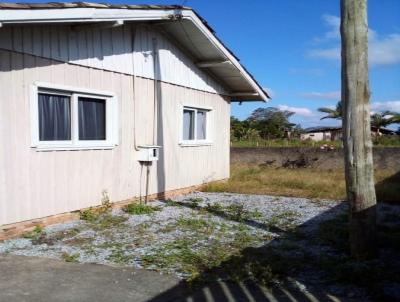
[292, 47]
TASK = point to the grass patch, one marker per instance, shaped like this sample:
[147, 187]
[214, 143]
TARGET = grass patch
[334, 232]
[140, 209]
[285, 220]
[70, 257]
[92, 214]
[302, 182]
[195, 256]
[234, 211]
[35, 234]
[66, 234]
[118, 255]
[80, 241]
[194, 202]
[172, 203]
[194, 262]
[107, 221]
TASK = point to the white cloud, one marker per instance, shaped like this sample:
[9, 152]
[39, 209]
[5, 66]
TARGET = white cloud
[330, 95]
[297, 110]
[385, 106]
[383, 49]
[328, 53]
[333, 22]
[270, 92]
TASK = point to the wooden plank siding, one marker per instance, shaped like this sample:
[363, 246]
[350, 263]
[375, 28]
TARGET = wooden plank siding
[36, 184]
[110, 49]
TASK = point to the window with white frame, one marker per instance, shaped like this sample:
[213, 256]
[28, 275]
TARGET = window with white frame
[68, 118]
[195, 126]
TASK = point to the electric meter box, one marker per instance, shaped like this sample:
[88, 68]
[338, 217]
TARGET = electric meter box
[148, 153]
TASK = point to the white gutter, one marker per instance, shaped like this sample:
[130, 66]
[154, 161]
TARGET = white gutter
[83, 15]
[63, 15]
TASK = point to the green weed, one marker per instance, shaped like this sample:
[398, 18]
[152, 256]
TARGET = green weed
[70, 257]
[34, 234]
[140, 209]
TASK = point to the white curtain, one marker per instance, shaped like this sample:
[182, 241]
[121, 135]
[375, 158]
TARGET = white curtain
[54, 117]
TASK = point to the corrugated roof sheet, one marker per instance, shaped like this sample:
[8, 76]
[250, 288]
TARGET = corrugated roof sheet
[322, 128]
[4, 5]
[69, 5]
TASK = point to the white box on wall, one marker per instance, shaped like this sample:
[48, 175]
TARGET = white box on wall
[148, 153]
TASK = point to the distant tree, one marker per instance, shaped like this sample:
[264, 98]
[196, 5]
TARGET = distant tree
[382, 119]
[332, 113]
[251, 134]
[238, 128]
[395, 117]
[297, 131]
[271, 122]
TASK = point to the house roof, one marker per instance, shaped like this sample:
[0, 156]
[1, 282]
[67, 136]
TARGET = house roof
[181, 23]
[328, 128]
[321, 129]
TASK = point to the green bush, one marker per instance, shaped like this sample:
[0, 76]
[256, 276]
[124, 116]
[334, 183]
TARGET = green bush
[34, 234]
[140, 209]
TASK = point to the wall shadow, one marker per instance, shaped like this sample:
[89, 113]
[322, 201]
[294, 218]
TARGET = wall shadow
[161, 186]
[388, 190]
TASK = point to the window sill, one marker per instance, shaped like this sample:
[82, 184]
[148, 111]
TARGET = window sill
[72, 148]
[194, 144]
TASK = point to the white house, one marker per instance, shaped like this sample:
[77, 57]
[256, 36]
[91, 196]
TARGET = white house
[91, 95]
[322, 133]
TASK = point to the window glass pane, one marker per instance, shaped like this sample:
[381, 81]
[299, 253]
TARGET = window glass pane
[201, 124]
[54, 117]
[92, 118]
[188, 124]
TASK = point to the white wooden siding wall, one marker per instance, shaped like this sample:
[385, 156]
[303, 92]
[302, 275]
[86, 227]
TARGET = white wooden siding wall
[109, 49]
[38, 184]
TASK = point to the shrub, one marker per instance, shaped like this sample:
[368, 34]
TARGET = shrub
[34, 234]
[70, 258]
[140, 209]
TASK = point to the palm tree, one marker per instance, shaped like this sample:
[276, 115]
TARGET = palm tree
[395, 117]
[382, 119]
[332, 113]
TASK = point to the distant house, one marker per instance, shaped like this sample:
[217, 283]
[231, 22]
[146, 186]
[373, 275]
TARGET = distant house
[323, 133]
[100, 99]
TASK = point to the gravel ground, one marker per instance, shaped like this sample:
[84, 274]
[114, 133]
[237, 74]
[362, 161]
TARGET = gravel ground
[197, 225]
[300, 210]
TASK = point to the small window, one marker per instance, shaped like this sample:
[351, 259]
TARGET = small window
[67, 119]
[195, 125]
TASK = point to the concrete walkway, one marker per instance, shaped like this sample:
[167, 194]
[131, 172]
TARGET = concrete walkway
[39, 279]
[34, 279]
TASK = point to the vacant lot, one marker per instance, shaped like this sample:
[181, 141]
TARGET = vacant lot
[300, 182]
[204, 238]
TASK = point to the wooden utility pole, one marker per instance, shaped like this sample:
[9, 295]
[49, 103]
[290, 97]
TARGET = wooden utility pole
[356, 129]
